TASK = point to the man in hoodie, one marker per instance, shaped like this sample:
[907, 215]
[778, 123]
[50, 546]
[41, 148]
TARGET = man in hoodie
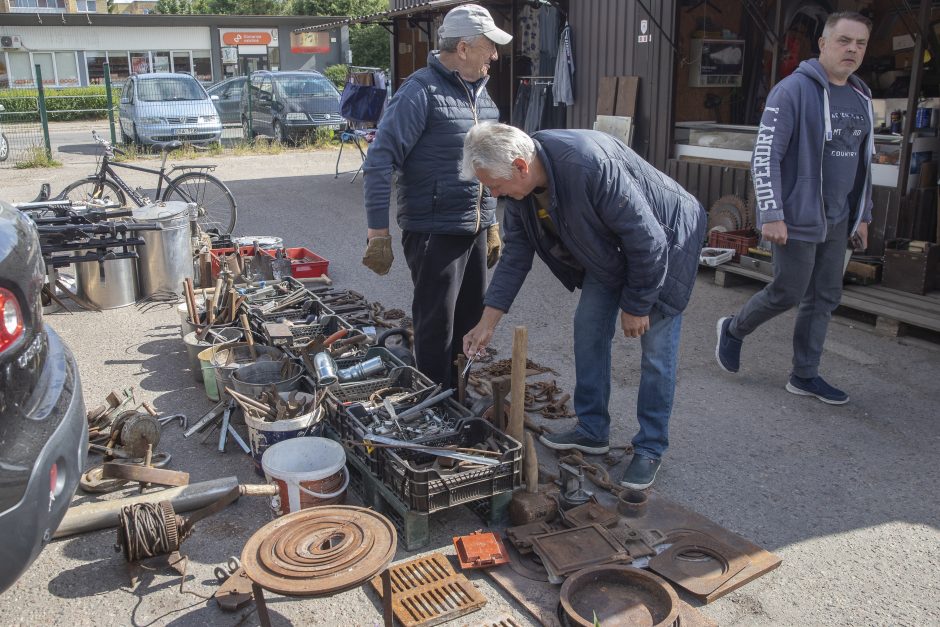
[449, 230]
[811, 169]
[605, 221]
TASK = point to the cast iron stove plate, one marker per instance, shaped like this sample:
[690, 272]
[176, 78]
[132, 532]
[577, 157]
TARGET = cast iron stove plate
[521, 535]
[699, 563]
[566, 551]
[591, 514]
[426, 591]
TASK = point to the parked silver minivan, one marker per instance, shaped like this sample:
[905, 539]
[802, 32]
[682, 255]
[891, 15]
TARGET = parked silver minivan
[161, 107]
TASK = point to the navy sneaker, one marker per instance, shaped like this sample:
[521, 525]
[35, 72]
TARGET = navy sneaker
[728, 348]
[641, 472]
[816, 387]
[574, 440]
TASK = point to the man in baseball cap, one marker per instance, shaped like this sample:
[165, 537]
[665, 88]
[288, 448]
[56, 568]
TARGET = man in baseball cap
[469, 20]
[449, 232]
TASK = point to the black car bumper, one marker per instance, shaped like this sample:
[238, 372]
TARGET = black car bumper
[28, 526]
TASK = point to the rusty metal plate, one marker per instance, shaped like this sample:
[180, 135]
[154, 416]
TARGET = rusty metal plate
[426, 591]
[591, 514]
[564, 552]
[521, 536]
[320, 551]
[480, 549]
[618, 595]
[699, 563]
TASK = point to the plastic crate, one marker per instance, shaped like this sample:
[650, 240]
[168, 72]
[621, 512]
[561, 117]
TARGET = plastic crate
[326, 325]
[293, 314]
[738, 241]
[306, 264]
[427, 490]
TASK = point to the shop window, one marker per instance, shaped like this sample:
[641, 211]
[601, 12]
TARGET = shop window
[202, 65]
[182, 63]
[86, 6]
[274, 59]
[66, 65]
[21, 72]
[120, 68]
[94, 63]
[46, 63]
[4, 74]
[161, 61]
[140, 62]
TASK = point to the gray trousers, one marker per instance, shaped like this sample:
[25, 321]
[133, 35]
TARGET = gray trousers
[808, 275]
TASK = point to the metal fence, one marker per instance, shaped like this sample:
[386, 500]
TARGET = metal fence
[151, 108]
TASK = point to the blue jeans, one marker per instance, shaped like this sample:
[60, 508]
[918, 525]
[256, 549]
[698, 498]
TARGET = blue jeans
[595, 322]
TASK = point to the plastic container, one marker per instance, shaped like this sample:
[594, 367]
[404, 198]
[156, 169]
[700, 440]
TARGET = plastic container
[208, 373]
[715, 256]
[253, 379]
[308, 472]
[738, 241]
[426, 490]
[262, 434]
[306, 264]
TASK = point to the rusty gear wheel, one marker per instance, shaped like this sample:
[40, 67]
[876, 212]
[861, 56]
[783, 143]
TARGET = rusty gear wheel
[728, 213]
[320, 551]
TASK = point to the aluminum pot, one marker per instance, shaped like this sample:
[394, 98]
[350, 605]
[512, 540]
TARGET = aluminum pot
[108, 285]
[166, 258]
[253, 379]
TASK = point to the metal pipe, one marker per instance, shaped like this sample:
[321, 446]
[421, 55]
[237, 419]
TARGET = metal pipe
[417, 409]
[104, 514]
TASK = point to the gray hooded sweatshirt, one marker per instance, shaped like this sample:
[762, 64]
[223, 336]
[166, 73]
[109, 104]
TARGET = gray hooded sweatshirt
[786, 165]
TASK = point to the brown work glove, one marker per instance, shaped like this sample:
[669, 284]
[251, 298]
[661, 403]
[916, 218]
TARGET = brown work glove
[379, 257]
[494, 245]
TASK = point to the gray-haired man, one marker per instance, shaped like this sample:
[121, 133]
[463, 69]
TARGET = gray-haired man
[449, 230]
[605, 221]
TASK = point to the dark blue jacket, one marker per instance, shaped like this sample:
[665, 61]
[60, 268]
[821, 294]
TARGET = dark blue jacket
[625, 222]
[786, 165]
[421, 138]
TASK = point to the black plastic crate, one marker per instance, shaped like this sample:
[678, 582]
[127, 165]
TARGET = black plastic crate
[427, 490]
[292, 314]
[294, 285]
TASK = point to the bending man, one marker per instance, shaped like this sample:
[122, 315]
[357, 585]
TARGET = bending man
[605, 221]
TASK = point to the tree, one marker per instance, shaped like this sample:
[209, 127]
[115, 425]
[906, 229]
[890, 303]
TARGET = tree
[369, 43]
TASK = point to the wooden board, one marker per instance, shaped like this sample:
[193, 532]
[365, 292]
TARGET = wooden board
[627, 89]
[606, 95]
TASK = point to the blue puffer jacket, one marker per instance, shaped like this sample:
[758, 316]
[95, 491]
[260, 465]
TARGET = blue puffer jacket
[628, 224]
[421, 138]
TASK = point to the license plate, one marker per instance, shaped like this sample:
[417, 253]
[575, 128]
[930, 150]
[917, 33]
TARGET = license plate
[332, 127]
[184, 131]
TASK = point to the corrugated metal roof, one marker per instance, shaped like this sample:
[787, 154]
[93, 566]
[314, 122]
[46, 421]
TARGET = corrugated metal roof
[384, 16]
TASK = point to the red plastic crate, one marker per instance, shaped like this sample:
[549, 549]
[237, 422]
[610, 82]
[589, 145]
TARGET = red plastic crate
[739, 241]
[304, 263]
[218, 253]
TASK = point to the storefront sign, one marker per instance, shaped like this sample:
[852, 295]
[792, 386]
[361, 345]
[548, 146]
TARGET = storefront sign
[246, 38]
[229, 54]
[309, 43]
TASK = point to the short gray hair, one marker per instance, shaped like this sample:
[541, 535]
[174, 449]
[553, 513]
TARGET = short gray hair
[493, 147]
[449, 44]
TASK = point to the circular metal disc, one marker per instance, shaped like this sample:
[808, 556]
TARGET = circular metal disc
[320, 551]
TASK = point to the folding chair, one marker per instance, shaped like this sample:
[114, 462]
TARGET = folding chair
[362, 104]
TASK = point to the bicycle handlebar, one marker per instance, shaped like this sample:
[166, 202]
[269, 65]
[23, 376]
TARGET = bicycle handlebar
[107, 145]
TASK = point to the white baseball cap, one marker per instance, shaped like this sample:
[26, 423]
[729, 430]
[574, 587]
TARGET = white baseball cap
[471, 19]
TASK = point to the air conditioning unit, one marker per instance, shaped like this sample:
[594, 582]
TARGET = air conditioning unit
[11, 41]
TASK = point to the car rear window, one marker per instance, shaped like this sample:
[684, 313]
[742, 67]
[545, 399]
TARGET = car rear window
[295, 87]
[156, 89]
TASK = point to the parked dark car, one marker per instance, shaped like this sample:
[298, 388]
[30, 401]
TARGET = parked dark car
[227, 97]
[290, 105]
[43, 429]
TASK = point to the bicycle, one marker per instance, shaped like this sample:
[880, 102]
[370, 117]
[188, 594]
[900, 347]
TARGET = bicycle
[216, 209]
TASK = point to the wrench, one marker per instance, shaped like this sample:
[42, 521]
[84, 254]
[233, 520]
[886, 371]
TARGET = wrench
[184, 421]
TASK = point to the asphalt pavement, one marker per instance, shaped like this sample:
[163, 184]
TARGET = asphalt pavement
[846, 495]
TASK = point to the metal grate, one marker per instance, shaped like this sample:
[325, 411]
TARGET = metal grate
[426, 591]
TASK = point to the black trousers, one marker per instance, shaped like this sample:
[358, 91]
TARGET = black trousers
[449, 275]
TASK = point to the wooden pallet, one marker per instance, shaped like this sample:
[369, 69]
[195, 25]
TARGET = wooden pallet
[895, 311]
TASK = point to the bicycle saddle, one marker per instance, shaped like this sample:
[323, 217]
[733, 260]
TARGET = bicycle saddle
[167, 146]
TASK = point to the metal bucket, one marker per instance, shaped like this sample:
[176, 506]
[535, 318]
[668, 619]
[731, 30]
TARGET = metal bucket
[166, 258]
[253, 379]
[263, 434]
[116, 288]
[227, 358]
[194, 346]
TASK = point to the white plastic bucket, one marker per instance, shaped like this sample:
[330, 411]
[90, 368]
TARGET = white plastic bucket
[262, 434]
[307, 471]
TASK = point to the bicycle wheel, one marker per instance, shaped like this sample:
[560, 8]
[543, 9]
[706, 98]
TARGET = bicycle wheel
[91, 189]
[216, 205]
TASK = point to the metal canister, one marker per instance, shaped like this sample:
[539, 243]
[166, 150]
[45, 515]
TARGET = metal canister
[108, 284]
[922, 119]
[362, 370]
[166, 258]
[326, 368]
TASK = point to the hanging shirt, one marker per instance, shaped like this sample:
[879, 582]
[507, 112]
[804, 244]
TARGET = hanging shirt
[842, 154]
[562, 86]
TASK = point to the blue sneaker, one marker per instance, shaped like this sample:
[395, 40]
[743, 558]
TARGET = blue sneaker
[728, 348]
[574, 440]
[816, 387]
[641, 472]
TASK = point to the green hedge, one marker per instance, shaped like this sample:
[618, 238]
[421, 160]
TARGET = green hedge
[337, 74]
[70, 103]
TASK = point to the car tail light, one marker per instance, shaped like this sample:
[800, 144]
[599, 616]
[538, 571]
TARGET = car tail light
[11, 326]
